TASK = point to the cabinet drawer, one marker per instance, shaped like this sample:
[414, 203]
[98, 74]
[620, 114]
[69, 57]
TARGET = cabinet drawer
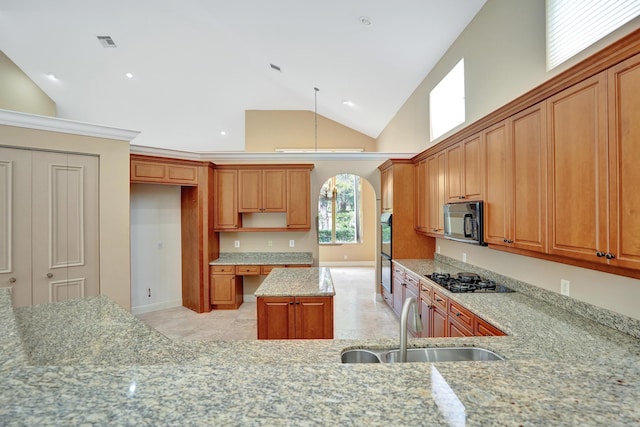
[461, 314]
[266, 269]
[440, 301]
[483, 328]
[248, 270]
[426, 293]
[222, 269]
[398, 271]
[412, 282]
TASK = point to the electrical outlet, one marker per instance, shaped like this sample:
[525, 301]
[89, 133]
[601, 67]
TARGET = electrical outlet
[346, 256]
[438, 249]
[236, 244]
[564, 287]
[269, 242]
[464, 257]
[292, 243]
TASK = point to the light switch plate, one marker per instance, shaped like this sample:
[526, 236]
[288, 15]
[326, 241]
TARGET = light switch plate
[564, 287]
[292, 243]
[236, 244]
[464, 257]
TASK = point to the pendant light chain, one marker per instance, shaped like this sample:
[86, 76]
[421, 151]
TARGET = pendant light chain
[315, 118]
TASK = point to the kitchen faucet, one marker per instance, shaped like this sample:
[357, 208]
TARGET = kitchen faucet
[416, 324]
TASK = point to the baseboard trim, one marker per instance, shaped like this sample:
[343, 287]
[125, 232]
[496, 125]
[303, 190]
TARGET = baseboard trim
[347, 264]
[148, 308]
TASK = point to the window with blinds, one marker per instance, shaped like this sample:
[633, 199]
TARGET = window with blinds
[573, 25]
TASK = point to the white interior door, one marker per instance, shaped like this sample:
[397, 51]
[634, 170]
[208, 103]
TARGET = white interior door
[15, 223]
[49, 247]
[65, 227]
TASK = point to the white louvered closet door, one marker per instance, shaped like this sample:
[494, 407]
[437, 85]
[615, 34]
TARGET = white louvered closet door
[62, 191]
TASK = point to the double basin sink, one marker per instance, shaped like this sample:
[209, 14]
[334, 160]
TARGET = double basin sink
[425, 354]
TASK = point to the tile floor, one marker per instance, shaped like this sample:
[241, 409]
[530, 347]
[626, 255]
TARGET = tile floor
[357, 314]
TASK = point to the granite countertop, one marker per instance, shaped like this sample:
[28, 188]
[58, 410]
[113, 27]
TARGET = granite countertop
[66, 363]
[264, 258]
[297, 282]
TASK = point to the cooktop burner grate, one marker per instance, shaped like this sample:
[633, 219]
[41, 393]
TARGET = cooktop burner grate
[467, 282]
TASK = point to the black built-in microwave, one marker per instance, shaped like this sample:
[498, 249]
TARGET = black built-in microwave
[463, 222]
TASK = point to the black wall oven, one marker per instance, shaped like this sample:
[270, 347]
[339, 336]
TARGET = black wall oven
[385, 250]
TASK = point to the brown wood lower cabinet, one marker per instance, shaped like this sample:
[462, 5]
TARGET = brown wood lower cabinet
[442, 317]
[226, 287]
[295, 317]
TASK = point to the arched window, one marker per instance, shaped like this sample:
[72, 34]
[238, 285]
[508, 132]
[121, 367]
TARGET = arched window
[340, 210]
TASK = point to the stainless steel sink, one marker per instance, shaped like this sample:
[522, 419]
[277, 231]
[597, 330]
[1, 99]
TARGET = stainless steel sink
[360, 356]
[443, 354]
[426, 354]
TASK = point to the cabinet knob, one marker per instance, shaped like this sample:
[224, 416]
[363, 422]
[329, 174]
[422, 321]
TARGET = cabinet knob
[12, 280]
[600, 254]
[49, 275]
[505, 240]
[297, 302]
[458, 314]
[290, 302]
[509, 241]
[461, 197]
[609, 256]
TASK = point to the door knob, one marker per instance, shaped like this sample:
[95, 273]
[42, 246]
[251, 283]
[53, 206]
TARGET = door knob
[12, 280]
[49, 275]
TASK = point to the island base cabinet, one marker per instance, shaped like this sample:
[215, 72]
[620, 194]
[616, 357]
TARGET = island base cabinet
[295, 317]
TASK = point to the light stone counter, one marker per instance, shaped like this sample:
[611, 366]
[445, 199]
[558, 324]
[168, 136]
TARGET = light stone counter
[560, 369]
[297, 282]
[264, 258]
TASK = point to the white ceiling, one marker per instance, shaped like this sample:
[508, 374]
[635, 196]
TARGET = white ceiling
[199, 64]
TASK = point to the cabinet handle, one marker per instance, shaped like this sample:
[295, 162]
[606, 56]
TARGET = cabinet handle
[12, 280]
[509, 241]
[461, 197]
[290, 302]
[505, 240]
[297, 302]
[438, 300]
[458, 314]
[49, 275]
[609, 256]
[600, 254]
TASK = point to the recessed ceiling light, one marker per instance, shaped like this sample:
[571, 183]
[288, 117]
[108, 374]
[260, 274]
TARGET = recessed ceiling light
[129, 75]
[365, 21]
[52, 76]
[347, 103]
[223, 133]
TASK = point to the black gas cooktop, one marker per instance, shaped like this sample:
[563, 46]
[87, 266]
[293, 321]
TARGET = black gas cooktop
[467, 282]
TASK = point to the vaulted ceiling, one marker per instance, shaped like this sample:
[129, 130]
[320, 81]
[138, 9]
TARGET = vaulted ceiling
[197, 65]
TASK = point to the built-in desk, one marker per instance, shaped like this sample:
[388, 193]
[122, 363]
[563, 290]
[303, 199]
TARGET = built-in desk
[227, 272]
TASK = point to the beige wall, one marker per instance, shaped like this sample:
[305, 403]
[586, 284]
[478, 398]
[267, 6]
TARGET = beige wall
[504, 51]
[114, 198]
[266, 130]
[504, 56]
[19, 93]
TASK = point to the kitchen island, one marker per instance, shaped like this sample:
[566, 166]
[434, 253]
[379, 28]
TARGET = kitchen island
[296, 304]
[90, 362]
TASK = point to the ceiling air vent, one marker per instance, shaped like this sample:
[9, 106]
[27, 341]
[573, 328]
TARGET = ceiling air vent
[106, 41]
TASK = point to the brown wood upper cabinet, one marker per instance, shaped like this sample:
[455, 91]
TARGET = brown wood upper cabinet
[464, 166]
[593, 144]
[421, 215]
[278, 188]
[262, 190]
[514, 153]
[162, 171]
[436, 165]
[386, 180]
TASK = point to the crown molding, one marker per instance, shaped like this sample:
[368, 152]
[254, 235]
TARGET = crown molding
[257, 156]
[54, 124]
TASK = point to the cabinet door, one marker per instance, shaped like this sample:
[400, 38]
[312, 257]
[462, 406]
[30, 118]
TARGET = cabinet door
[425, 317]
[472, 169]
[274, 190]
[456, 330]
[497, 197]
[436, 166]
[225, 212]
[454, 191]
[386, 184]
[276, 318]
[624, 152]
[440, 327]
[528, 160]
[223, 289]
[314, 317]
[298, 199]
[249, 190]
[420, 195]
[578, 170]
